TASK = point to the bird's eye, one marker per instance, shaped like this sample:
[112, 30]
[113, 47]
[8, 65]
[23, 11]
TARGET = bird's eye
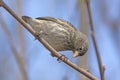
[80, 49]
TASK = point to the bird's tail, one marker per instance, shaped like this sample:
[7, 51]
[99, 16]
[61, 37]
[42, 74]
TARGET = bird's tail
[26, 19]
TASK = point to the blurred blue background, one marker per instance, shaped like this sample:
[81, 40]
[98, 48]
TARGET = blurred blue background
[21, 55]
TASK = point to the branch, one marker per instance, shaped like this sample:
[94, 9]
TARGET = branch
[101, 67]
[52, 50]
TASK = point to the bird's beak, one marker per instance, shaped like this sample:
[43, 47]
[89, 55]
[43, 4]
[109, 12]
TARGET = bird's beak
[76, 54]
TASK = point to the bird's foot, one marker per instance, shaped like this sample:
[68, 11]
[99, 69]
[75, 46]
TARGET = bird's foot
[62, 58]
[38, 34]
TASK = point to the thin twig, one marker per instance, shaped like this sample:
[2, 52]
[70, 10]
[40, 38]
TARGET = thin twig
[101, 67]
[52, 50]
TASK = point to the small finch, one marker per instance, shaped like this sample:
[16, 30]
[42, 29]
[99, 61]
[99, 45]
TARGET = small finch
[60, 34]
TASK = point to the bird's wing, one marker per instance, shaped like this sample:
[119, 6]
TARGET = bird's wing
[56, 20]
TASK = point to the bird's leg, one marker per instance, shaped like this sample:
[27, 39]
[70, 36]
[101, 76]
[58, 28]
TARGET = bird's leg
[62, 58]
[38, 34]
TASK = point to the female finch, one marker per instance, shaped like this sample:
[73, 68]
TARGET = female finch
[60, 34]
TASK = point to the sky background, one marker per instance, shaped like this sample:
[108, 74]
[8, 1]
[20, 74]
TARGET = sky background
[37, 60]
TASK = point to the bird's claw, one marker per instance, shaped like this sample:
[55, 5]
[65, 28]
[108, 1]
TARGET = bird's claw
[38, 34]
[62, 58]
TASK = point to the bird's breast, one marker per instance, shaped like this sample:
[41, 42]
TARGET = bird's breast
[57, 37]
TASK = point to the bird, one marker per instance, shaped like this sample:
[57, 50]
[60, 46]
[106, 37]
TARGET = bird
[60, 34]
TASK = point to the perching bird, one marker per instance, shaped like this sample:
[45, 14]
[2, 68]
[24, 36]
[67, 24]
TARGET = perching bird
[60, 34]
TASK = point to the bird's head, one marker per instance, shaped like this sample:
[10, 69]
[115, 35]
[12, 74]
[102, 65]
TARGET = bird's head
[80, 44]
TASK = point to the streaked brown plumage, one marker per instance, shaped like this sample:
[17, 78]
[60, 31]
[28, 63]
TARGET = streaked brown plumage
[60, 34]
